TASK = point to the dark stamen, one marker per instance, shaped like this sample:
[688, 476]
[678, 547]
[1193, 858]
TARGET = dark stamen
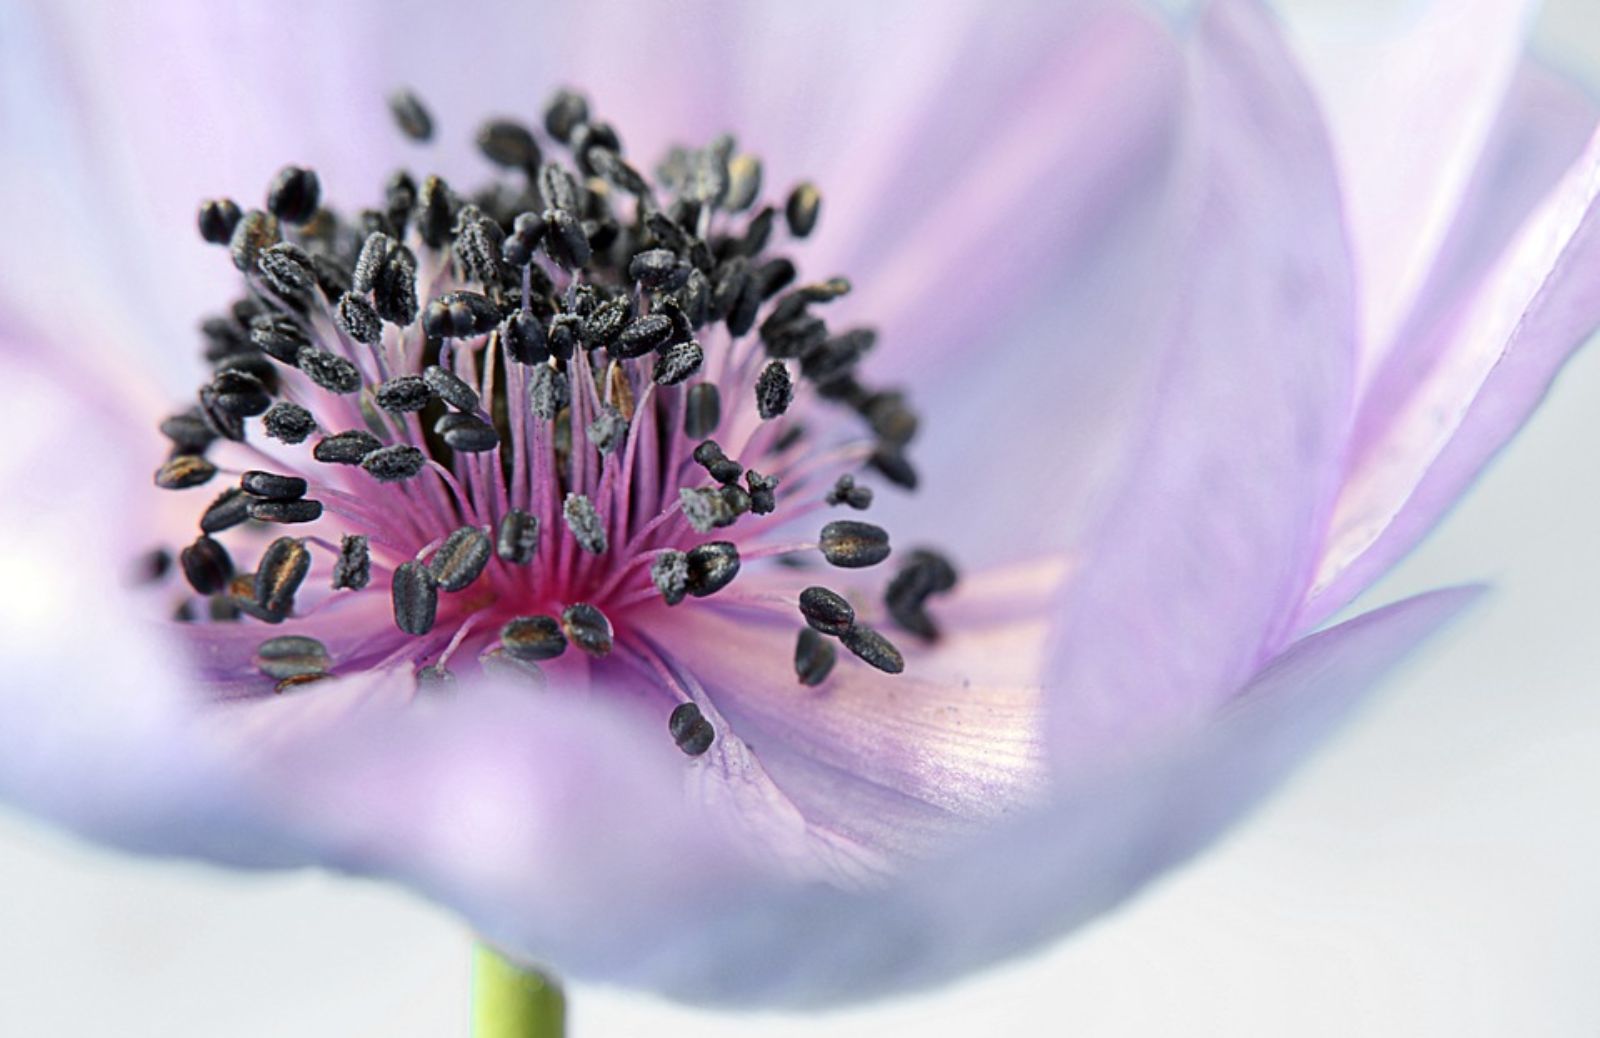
[518, 537]
[826, 611]
[670, 574]
[353, 568]
[272, 486]
[409, 114]
[283, 567]
[346, 448]
[710, 457]
[847, 492]
[548, 391]
[231, 508]
[286, 511]
[294, 195]
[802, 209]
[853, 545]
[608, 430]
[763, 496]
[289, 423]
[500, 663]
[584, 523]
[506, 142]
[533, 638]
[814, 657]
[416, 598]
[702, 411]
[565, 113]
[892, 464]
[218, 218]
[467, 433]
[184, 471]
[677, 363]
[206, 565]
[395, 463]
[774, 390]
[587, 628]
[711, 567]
[292, 656]
[358, 319]
[874, 648]
[460, 559]
[690, 730]
[404, 393]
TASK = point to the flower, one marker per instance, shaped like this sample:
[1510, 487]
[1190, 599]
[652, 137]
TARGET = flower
[1193, 367]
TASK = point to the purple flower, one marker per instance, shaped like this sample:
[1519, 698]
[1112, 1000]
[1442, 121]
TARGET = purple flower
[1186, 370]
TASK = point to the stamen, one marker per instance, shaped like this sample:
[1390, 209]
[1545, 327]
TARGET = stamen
[560, 308]
[814, 657]
[283, 568]
[518, 537]
[461, 558]
[304, 511]
[587, 628]
[826, 611]
[409, 114]
[206, 565]
[395, 463]
[467, 433]
[289, 423]
[802, 209]
[294, 195]
[584, 523]
[690, 730]
[702, 411]
[874, 648]
[218, 217]
[416, 598]
[353, 568]
[346, 448]
[508, 143]
[710, 457]
[846, 492]
[292, 656]
[548, 391]
[272, 486]
[184, 471]
[711, 567]
[853, 545]
[188, 432]
[774, 391]
[533, 638]
[670, 574]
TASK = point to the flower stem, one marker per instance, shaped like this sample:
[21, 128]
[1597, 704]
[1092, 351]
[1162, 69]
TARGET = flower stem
[510, 1002]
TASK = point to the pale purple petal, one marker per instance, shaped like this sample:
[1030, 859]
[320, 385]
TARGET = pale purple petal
[1213, 533]
[899, 764]
[1532, 311]
[1054, 869]
[1408, 129]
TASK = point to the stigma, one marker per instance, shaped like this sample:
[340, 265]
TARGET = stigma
[522, 423]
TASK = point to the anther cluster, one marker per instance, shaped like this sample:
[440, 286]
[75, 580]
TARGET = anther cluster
[529, 417]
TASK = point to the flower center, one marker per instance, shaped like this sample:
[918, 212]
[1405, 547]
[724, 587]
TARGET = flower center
[523, 422]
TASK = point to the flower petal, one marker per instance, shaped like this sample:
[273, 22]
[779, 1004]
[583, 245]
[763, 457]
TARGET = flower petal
[900, 764]
[1495, 363]
[1407, 132]
[1053, 869]
[1213, 533]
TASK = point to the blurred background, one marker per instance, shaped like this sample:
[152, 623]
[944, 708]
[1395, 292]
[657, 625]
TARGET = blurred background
[1436, 871]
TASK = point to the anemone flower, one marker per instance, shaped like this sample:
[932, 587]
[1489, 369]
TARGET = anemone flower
[777, 506]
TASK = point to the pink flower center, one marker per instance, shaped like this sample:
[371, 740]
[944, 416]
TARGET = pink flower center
[498, 429]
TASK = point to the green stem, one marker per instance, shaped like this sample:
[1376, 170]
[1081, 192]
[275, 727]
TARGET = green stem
[510, 1002]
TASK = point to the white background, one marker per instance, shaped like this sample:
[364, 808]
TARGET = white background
[1435, 872]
